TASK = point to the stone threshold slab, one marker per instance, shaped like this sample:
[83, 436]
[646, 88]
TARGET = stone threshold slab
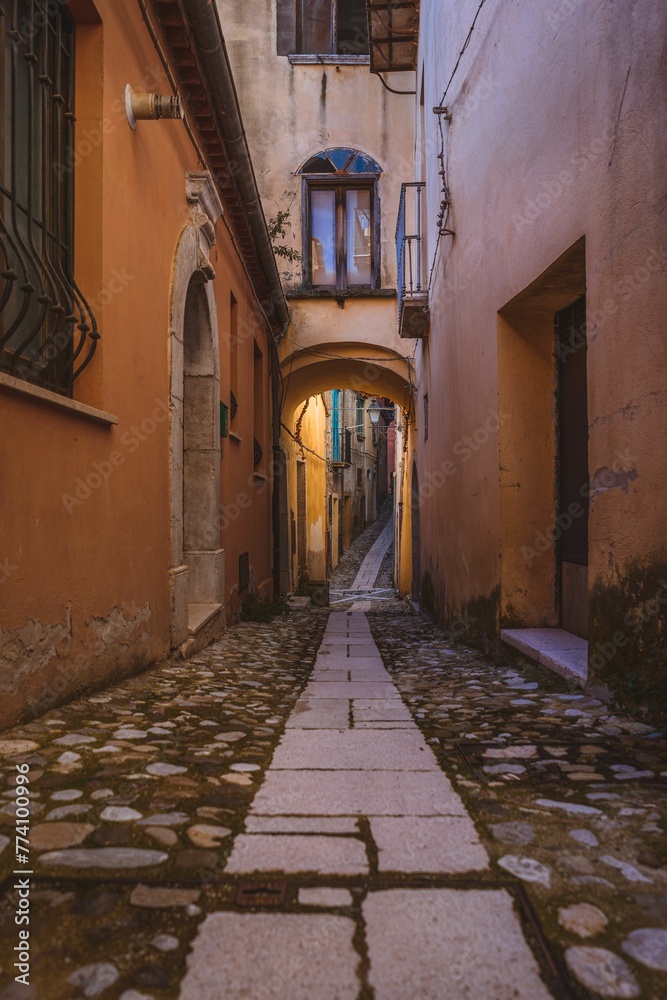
[554, 648]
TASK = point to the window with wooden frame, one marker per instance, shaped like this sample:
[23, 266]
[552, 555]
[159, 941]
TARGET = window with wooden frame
[341, 212]
[326, 27]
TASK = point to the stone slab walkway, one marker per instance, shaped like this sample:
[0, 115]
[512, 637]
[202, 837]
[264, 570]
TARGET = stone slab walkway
[370, 567]
[354, 790]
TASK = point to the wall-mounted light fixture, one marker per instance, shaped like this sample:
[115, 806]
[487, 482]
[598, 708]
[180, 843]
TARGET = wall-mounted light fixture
[150, 107]
[374, 411]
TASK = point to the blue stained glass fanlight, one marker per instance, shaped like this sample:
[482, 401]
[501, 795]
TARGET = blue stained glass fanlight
[342, 160]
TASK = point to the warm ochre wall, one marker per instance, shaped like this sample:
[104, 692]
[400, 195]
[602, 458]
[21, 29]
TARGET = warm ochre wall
[84, 510]
[245, 490]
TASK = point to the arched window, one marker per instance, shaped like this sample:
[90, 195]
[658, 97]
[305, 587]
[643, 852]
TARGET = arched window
[342, 219]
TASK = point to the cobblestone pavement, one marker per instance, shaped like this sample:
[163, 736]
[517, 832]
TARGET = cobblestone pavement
[136, 794]
[569, 797]
[350, 563]
[145, 822]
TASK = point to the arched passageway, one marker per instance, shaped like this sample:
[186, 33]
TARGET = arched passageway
[336, 457]
[369, 369]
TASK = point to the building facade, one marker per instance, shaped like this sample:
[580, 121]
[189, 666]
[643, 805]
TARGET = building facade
[331, 145]
[140, 304]
[542, 374]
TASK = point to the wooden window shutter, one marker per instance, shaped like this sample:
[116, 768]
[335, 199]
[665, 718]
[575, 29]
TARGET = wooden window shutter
[286, 24]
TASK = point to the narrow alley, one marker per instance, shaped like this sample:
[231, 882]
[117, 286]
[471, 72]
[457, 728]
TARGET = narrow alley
[341, 804]
[333, 562]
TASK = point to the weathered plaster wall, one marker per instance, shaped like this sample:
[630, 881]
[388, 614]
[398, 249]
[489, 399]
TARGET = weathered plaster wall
[293, 111]
[557, 133]
[84, 512]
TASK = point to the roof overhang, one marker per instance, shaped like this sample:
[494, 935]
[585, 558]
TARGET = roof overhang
[393, 32]
[195, 49]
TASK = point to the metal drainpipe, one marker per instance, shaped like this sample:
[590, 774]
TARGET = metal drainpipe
[215, 61]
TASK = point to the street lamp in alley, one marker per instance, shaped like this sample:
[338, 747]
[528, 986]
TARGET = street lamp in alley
[374, 411]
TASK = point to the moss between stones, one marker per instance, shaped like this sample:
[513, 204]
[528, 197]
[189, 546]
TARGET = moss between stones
[628, 637]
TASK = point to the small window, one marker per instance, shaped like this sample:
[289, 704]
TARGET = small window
[332, 27]
[360, 418]
[336, 442]
[342, 221]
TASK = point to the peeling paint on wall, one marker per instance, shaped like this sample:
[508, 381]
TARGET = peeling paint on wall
[118, 627]
[30, 648]
[612, 479]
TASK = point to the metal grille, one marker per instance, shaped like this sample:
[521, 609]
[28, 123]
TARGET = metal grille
[393, 33]
[409, 240]
[48, 332]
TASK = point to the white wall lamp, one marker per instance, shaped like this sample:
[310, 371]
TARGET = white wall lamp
[150, 107]
[374, 411]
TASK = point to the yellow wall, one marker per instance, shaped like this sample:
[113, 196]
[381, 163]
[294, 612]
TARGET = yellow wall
[311, 430]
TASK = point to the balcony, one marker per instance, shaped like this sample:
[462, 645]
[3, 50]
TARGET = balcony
[413, 312]
[393, 32]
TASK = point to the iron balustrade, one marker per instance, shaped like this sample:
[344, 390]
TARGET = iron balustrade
[413, 307]
[409, 252]
[48, 331]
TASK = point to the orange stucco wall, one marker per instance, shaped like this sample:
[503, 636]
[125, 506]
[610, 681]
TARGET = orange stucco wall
[84, 508]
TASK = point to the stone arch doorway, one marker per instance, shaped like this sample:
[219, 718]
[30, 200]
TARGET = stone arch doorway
[196, 575]
[415, 534]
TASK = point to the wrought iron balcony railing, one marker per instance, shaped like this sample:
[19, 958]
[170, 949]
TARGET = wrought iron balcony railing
[412, 283]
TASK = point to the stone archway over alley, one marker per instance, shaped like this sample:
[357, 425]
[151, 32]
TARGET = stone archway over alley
[341, 804]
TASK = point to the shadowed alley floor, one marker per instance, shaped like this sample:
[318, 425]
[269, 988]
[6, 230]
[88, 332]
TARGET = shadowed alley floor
[353, 790]
[333, 805]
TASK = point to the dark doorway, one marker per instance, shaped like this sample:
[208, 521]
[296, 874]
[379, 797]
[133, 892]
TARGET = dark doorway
[302, 525]
[416, 552]
[573, 466]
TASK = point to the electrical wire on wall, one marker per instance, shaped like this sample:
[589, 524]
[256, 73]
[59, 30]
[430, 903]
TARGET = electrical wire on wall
[441, 112]
[304, 447]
